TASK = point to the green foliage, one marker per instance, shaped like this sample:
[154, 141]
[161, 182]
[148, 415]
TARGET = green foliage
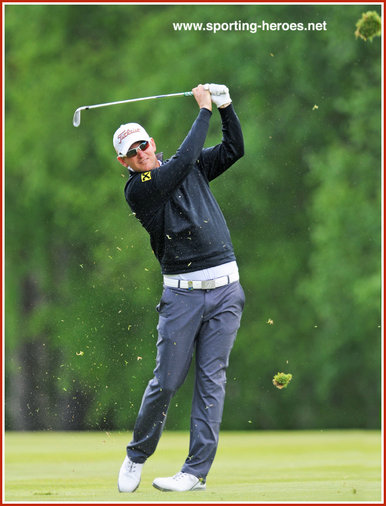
[281, 380]
[369, 26]
[303, 207]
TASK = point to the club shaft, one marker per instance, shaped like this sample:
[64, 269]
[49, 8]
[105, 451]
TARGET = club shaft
[76, 119]
[184, 93]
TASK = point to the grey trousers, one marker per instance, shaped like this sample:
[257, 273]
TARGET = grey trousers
[205, 321]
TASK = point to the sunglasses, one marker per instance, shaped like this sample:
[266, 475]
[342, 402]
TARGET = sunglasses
[133, 151]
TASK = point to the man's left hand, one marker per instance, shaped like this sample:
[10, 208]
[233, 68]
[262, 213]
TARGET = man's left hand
[219, 94]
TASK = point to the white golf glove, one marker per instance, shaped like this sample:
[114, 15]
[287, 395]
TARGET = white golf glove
[219, 94]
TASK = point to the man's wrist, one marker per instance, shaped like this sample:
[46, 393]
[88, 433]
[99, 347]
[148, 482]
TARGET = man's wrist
[206, 106]
[225, 105]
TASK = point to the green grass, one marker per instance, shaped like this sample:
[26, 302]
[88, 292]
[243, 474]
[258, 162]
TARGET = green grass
[324, 466]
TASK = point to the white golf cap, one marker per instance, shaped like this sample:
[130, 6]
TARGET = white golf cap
[126, 135]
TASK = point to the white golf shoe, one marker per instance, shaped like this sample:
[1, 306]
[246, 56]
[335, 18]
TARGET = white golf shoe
[180, 482]
[129, 476]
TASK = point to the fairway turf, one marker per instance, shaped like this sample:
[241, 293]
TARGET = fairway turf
[299, 466]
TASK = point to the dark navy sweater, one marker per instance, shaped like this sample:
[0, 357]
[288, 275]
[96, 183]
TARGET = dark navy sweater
[175, 205]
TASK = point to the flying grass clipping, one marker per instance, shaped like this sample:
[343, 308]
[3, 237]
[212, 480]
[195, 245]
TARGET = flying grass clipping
[281, 380]
[369, 26]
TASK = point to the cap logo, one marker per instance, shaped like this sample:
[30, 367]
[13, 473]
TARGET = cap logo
[125, 133]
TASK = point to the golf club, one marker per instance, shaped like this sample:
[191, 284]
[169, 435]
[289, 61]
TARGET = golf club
[76, 118]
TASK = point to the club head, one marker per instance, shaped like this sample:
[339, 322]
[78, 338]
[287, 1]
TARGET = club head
[76, 118]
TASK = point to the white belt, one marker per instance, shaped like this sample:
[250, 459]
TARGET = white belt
[201, 285]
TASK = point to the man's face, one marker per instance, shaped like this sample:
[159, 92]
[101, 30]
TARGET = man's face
[143, 160]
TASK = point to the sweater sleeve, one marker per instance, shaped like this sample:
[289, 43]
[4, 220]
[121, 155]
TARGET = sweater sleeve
[164, 180]
[217, 159]
[170, 175]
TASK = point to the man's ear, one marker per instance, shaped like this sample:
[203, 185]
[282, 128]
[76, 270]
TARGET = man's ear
[122, 162]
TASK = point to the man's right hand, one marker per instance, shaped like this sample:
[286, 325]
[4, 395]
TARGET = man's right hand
[202, 97]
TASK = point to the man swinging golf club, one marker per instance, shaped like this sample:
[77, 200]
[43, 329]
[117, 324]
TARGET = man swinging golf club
[202, 300]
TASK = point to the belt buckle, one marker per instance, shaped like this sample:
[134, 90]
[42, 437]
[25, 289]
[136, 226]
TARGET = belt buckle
[209, 284]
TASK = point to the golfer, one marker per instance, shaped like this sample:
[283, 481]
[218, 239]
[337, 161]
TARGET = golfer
[202, 300]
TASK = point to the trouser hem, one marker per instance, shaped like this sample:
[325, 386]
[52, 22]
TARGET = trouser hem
[135, 459]
[199, 476]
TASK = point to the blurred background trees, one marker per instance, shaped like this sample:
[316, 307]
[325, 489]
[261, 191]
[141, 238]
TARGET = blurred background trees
[303, 207]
